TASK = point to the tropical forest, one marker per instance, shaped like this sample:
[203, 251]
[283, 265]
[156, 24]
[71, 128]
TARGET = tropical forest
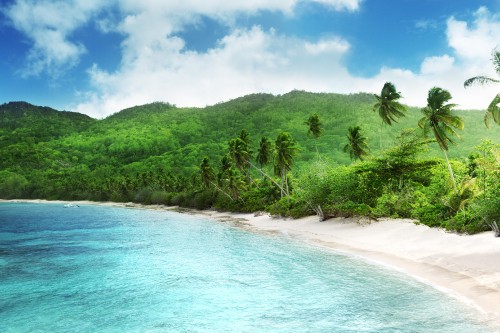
[291, 155]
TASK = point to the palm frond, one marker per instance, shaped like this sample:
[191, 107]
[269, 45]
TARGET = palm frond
[496, 60]
[451, 120]
[493, 111]
[481, 80]
[388, 107]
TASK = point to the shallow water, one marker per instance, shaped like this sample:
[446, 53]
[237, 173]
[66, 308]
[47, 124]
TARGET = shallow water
[107, 269]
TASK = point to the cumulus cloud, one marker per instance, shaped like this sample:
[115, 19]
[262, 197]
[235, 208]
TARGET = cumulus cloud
[156, 66]
[477, 40]
[350, 5]
[49, 24]
[246, 61]
[472, 44]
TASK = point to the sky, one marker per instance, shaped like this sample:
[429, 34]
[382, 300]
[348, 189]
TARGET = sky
[99, 57]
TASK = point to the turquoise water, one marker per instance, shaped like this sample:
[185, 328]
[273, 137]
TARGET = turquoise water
[104, 269]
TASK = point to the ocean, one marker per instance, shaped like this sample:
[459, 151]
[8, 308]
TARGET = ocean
[108, 269]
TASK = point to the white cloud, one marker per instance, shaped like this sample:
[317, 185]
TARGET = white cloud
[436, 65]
[155, 65]
[475, 42]
[244, 62]
[351, 5]
[48, 24]
[472, 43]
[247, 61]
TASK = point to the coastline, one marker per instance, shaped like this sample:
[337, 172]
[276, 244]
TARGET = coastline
[467, 267]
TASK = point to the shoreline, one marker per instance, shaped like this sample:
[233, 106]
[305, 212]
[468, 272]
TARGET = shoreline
[466, 267]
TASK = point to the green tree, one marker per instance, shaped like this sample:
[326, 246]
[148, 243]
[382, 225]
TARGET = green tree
[264, 154]
[206, 172]
[356, 144]
[241, 152]
[493, 110]
[315, 128]
[438, 117]
[225, 165]
[388, 107]
[247, 148]
[285, 151]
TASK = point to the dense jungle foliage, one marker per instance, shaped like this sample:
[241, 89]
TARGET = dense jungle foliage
[288, 154]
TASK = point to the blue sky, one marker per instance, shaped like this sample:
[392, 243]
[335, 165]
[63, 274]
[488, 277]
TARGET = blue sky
[98, 57]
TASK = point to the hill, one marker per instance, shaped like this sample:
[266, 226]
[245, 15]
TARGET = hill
[66, 155]
[24, 122]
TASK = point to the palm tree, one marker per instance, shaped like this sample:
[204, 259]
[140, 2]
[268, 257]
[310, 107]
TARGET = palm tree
[206, 172]
[356, 144]
[241, 152]
[315, 128]
[238, 152]
[264, 153]
[285, 151]
[234, 183]
[388, 107]
[438, 118]
[207, 176]
[493, 110]
[245, 137]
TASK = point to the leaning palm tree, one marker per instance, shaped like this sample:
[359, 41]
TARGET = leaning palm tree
[206, 172]
[438, 118]
[264, 153]
[285, 151]
[241, 152]
[356, 144]
[493, 110]
[314, 128]
[207, 176]
[388, 107]
[245, 137]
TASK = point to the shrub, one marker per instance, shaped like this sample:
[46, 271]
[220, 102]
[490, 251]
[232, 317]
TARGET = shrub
[161, 198]
[12, 185]
[466, 222]
[143, 196]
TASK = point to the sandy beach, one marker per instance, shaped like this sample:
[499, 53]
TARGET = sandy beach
[465, 266]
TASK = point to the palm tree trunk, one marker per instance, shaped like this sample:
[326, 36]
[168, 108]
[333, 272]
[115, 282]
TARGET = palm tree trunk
[380, 135]
[222, 191]
[266, 175]
[286, 183]
[282, 184]
[450, 170]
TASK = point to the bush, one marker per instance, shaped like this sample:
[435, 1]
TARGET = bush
[431, 215]
[466, 222]
[178, 199]
[161, 198]
[349, 209]
[143, 196]
[203, 200]
[289, 206]
[12, 185]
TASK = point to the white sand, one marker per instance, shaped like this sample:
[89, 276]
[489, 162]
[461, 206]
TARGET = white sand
[465, 266]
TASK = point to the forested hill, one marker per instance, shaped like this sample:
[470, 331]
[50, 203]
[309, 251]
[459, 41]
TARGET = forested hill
[72, 156]
[21, 121]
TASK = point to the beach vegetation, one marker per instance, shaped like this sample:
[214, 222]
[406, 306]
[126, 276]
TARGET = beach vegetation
[211, 158]
[439, 119]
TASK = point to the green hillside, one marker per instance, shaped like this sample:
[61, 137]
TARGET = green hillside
[23, 122]
[159, 147]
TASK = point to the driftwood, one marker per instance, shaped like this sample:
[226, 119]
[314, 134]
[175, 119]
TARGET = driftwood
[494, 226]
[317, 209]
